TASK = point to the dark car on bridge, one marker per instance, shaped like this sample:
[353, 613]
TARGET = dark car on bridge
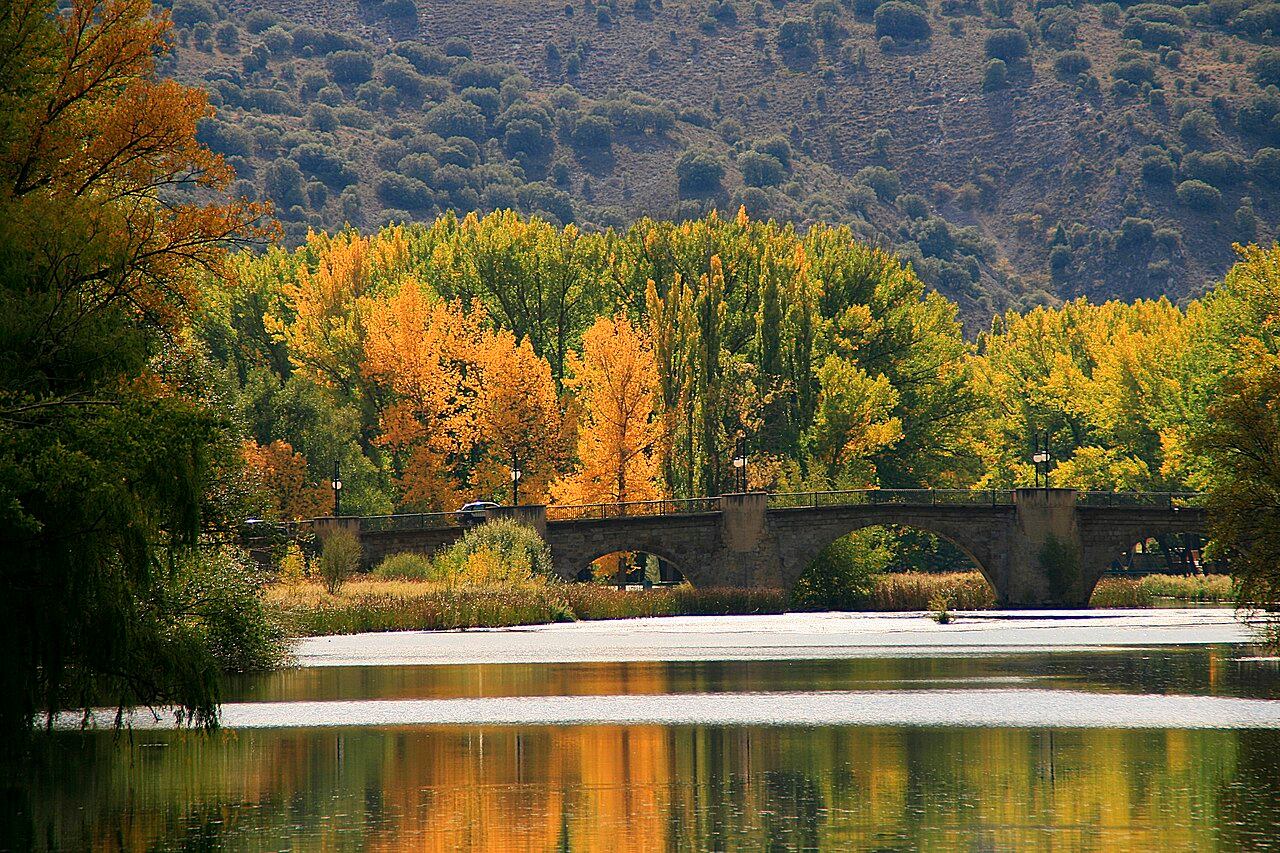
[476, 512]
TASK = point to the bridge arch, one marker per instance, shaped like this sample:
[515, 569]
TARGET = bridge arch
[803, 557]
[1104, 545]
[588, 558]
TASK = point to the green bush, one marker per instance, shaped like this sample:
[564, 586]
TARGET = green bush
[1058, 26]
[996, 76]
[188, 13]
[1135, 71]
[260, 20]
[350, 67]
[760, 169]
[1266, 68]
[1198, 195]
[405, 566]
[1071, 63]
[496, 552]
[1265, 165]
[883, 181]
[456, 117]
[516, 543]
[699, 172]
[1196, 126]
[1154, 34]
[480, 75]
[843, 575]
[795, 36]
[902, 21]
[592, 132]
[1008, 44]
[1217, 168]
[403, 192]
[339, 558]
[1157, 169]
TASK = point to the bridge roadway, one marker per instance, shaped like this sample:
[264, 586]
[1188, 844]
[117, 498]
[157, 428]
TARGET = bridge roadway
[1037, 547]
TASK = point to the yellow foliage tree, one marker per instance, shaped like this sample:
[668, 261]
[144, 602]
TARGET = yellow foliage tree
[423, 352]
[620, 439]
[326, 300]
[854, 421]
[519, 416]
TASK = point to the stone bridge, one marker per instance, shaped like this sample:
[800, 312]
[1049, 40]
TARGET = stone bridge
[1036, 547]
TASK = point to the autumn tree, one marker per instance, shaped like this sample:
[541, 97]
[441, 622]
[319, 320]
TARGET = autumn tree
[278, 476]
[619, 438]
[117, 473]
[854, 421]
[520, 418]
[1237, 441]
[423, 352]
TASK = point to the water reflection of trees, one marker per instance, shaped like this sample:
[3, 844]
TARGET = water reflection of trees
[649, 788]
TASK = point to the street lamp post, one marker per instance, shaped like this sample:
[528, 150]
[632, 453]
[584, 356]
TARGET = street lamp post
[516, 474]
[740, 465]
[1041, 457]
[337, 490]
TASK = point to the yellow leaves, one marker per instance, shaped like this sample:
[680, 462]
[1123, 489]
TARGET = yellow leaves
[421, 350]
[854, 421]
[463, 402]
[327, 300]
[619, 440]
[520, 413]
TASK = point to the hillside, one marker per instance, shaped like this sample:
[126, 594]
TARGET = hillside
[1107, 152]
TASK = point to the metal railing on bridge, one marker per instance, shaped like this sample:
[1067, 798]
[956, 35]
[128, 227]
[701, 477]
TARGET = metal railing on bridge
[408, 522]
[792, 500]
[1155, 500]
[916, 497]
[633, 509]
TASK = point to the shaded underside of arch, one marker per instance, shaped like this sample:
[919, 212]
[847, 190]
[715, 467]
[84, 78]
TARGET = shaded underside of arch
[978, 534]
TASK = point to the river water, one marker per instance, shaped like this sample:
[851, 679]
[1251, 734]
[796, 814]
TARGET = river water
[1163, 747]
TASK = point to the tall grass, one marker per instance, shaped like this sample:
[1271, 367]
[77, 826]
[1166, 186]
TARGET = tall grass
[1126, 592]
[403, 605]
[590, 601]
[378, 604]
[925, 591]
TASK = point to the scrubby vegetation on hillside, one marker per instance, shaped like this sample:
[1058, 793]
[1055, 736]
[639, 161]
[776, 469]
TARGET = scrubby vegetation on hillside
[1008, 150]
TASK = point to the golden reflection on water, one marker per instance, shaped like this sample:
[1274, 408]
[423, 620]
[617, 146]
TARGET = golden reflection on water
[653, 788]
[645, 788]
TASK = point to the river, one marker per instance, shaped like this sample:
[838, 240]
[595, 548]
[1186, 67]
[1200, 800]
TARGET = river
[1123, 730]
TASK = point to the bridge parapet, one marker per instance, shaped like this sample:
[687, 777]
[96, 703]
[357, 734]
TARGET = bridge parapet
[918, 497]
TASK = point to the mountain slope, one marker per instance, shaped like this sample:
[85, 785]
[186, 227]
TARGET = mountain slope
[1036, 179]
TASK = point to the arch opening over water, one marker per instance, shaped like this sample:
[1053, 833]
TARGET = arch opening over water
[632, 569]
[893, 567]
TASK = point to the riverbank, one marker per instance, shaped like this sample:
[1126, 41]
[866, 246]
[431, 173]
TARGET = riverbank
[789, 636]
[370, 604]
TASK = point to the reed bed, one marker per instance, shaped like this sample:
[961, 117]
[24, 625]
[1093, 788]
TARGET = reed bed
[901, 591]
[404, 605]
[588, 601]
[372, 604]
[1143, 592]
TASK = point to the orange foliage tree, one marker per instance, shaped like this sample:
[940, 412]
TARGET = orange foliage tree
[520, 417]
[422, 352]
[278, 475]
[91, 142]
[619, 438]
